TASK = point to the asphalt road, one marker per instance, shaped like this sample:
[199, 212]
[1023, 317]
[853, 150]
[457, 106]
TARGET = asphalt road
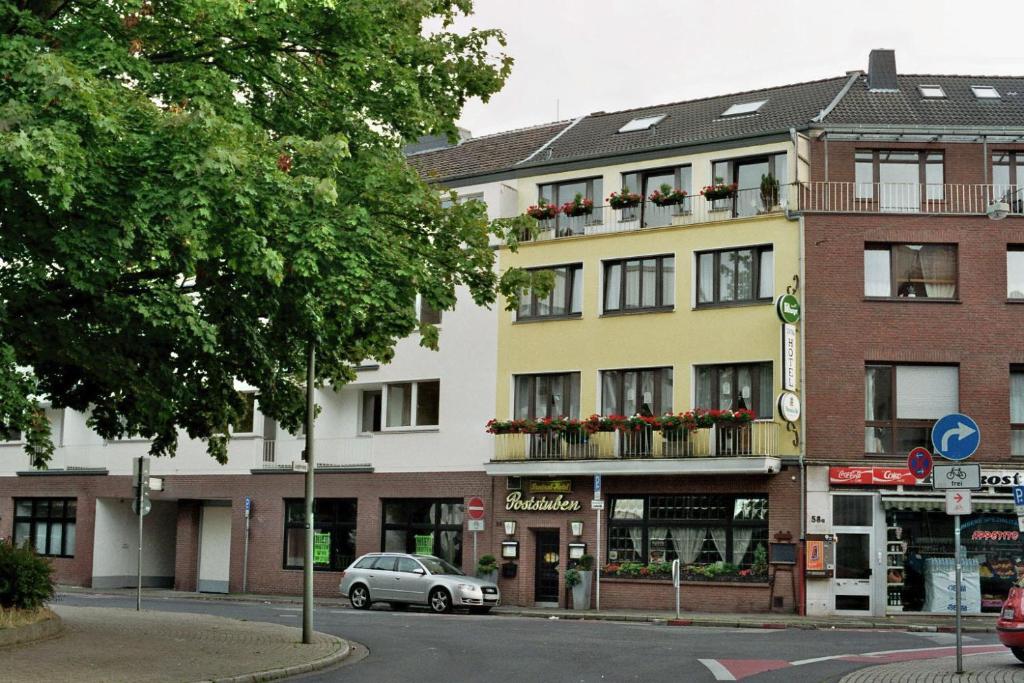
[419, 646]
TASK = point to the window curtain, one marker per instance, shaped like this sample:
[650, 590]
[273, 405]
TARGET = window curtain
[904, 268]
[718, 538]
[764, 406]
[938, 267]
[740, 542]
[658, 533]
[687, 542]
[636, 536]
[706, 286]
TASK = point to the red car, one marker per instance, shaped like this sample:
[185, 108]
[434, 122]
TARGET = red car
[1011, 622]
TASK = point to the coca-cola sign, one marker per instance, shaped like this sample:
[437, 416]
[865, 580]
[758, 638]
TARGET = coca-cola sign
[871, 476]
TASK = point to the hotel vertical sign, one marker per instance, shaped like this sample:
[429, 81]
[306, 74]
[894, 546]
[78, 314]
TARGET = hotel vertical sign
[789, 357]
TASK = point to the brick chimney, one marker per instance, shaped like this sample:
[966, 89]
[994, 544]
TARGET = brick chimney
[882, 70]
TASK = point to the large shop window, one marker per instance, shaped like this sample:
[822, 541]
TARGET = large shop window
[334, 533]
[732, 387]
[549, 395]
[628, 392]
[1017, 410]
[424, 526]
[564, 300]
[639, 284]
[899, 175]
[902, 402]
[695, 529]
[923, 271]
[735, 275]
[47, 524]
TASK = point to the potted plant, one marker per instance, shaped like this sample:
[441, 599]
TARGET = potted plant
[487, 568]
[543, 210]
[624, 199]
[579, 206]
[769, 192]
[719, 190]
[582, 581]
[666, 195]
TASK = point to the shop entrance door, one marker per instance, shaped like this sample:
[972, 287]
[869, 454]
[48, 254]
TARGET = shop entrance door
[853, 587]
[545, 589]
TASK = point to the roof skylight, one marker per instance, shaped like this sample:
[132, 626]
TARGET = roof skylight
[985, 92]
[642, 123]
[744, 108]
[931, 91]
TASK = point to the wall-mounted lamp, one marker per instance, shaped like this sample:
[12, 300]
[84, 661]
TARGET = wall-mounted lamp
[576, 527]
[510, 527]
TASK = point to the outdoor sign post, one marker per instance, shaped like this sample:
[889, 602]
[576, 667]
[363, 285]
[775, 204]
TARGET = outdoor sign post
[956, 437]
[475, 512]
[597, 505]
[1018, 504]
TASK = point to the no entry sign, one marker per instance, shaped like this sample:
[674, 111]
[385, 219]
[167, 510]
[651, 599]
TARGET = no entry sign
[475, 507]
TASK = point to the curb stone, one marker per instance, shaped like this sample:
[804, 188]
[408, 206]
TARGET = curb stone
[288, 671]
[51, 627]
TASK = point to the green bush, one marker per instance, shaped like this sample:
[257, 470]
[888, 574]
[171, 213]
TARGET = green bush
[585, 563]
[572, 578]
[487, 564]
[26, 580]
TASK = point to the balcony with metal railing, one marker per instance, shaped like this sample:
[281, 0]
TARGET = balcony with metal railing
[909, 198]
[739, 448]
[691, 210]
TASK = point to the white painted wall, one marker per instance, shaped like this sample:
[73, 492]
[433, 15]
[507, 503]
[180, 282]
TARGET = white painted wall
[215, 549]
[115, 546]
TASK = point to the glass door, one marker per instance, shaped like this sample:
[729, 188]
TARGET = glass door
[853, 587]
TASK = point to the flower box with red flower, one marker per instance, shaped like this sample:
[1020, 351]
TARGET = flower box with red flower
[719, 190]
[666, 195]
[625, 199]
[579, 206]
[542, 211]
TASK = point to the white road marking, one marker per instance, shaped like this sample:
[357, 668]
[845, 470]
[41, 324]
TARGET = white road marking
[815, 660]
[717, 670]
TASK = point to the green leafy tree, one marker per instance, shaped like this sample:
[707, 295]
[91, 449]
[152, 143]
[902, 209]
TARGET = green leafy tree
[192, 191]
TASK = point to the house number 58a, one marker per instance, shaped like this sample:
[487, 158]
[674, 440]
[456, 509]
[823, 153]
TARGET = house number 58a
[817, 519]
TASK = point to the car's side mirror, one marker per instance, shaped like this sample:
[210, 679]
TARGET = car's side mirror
[420, 571]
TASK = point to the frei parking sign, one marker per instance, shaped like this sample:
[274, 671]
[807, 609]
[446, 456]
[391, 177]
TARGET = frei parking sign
[956, 436]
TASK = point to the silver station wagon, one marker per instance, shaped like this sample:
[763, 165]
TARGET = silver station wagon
[401, 580]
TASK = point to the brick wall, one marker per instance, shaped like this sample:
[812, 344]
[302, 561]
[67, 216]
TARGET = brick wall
[980, 332]
[711, 596]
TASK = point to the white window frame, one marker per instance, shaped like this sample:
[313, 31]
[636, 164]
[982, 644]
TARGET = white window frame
[414, 397]
[985, 92]
[932, 92]
[642, 123]
[743, 109]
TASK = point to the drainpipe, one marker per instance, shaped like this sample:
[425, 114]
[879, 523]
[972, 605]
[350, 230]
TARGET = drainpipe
[802, 583]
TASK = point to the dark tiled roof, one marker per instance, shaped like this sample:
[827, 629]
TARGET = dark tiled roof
[483, 155]
[694, 121]
[959, 108]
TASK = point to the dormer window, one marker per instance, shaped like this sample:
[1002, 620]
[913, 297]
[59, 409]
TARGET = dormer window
[932, 92]
[642, 123]
[985, 92]
[743, 109]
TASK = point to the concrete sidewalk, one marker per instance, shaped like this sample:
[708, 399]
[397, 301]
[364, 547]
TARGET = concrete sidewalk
[110, 644]
[907, 621]
[981, 668]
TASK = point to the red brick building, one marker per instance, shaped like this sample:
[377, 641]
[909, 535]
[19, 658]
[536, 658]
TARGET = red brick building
[911, 293]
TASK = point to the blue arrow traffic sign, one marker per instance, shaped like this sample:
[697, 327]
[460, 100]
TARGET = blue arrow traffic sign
[956, 436]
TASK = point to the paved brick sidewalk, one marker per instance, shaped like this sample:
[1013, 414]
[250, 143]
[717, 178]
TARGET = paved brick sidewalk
[1002, 667]
[107, 644]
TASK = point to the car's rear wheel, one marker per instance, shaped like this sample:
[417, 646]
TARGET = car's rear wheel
[440, 601]
[1018, 652]
[479, 610]
[359, 597]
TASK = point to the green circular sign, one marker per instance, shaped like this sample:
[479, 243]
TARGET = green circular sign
[788, 308]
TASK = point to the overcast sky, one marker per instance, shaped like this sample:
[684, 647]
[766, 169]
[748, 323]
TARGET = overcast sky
[574, 57]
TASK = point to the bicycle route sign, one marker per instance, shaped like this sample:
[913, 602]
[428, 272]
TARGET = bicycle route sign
[955, 437]
[964, 477]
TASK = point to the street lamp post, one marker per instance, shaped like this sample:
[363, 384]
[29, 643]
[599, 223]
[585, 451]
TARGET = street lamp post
[307, 565]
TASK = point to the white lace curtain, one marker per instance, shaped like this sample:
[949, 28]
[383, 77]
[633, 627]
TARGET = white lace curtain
[687, 542]
[938, 267]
